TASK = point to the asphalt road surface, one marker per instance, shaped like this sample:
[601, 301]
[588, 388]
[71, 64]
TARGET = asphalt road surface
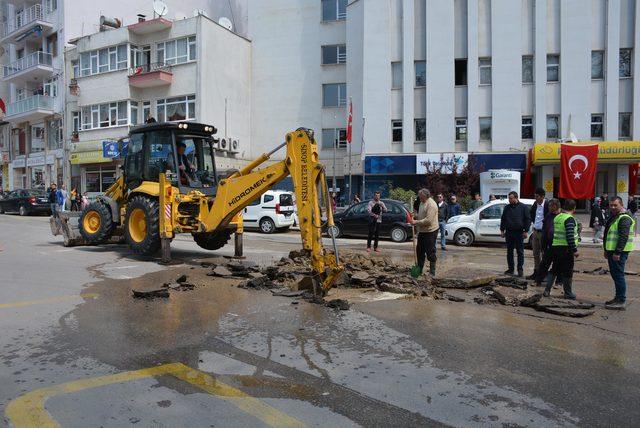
[77, 350]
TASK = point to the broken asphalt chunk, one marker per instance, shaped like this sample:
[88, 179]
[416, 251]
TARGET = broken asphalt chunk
[340, 304]
[150, 294]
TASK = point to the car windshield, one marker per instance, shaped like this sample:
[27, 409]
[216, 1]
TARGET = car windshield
[198, 152]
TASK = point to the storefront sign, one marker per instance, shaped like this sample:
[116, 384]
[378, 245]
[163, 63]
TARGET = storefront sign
[384, 165]
[608, 152]
[19, 163]
[39, 160]
[488, 161]
[444, 162]
[88, 157]
[110, 149]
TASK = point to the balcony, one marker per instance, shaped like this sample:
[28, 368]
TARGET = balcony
[35, 66]
[143, 28]
[150, 75]
[30, 109]
[32, 21]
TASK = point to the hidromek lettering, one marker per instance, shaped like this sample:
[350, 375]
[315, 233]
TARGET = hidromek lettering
[247, 191]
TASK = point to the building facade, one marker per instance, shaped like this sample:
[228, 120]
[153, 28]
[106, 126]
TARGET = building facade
[166, 70]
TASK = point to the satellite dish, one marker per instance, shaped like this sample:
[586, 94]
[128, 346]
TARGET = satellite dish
[160, 8]
[226, 23]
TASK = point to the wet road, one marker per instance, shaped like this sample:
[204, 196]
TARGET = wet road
[78, 350]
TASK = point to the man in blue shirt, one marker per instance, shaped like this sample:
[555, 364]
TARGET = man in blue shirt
[454, 207]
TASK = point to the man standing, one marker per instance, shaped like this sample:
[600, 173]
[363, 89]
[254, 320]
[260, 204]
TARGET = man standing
[426, 221]
[539, 211]
[514, 226]
[454, 207]
[618, 242]
[477, 202]
[443, 216]
[547, 240]
[632, 207]
[564, 248]
[53, 199]
[375, 208]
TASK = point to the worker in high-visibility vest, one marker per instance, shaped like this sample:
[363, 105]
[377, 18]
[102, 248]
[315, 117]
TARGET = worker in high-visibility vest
[564, 248]
[618, 243]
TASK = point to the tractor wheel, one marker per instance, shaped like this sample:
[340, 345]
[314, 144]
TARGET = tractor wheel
[142, 225]
[96, 224]
[212, 241]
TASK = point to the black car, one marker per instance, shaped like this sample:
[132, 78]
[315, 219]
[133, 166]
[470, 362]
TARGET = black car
[25, 202]
[354, 221]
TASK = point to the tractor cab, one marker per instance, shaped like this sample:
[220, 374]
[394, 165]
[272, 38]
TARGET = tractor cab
[183, 149]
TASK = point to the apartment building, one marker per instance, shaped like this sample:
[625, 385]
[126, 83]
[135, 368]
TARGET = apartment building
[33, 79]
[189, 69]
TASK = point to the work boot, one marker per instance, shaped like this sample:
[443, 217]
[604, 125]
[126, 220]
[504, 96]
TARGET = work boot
[508, 272]
[533, 275]
[612, 301]
[520, 273]
[616, 305]
[568, 293]
[432, 268]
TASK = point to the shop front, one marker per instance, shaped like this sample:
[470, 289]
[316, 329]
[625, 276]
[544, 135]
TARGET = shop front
[18, 174]
[92, 171]
[617, 162]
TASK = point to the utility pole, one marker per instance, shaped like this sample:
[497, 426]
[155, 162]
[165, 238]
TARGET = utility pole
[362, 159]
[335, 145]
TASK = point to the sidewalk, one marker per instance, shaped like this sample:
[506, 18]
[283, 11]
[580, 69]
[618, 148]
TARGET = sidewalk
[587, 233]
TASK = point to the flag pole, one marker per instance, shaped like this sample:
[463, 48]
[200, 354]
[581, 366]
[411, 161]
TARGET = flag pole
[362, 159]
[349, 124]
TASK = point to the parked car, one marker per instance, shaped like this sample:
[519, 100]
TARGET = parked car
[25, 202]
[272, 212]
[354, 221]
[481, 225]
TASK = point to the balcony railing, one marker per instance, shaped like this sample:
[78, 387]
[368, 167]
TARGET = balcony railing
[24, 18]
[32, 60]
[37, 102]
[149, 68]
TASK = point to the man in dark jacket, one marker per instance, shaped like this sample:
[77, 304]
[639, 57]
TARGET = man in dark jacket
[547, 238]
[539, 211]
[443, 216]
[514, 227]
[618, 243]
[454, 207]
[564, 248]
[53, 199]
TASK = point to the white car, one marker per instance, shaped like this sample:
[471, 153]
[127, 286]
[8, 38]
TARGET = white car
[481, 225]
[272, 212]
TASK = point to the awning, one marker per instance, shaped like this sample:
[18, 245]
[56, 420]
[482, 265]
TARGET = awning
[608, 152]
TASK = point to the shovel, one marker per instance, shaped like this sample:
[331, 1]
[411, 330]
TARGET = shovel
[416, 270]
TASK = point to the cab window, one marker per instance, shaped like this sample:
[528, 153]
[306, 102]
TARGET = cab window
[160, 158]
[491, 213]
[135, 158]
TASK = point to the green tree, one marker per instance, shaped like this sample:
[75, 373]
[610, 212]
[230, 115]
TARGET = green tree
[400, 194]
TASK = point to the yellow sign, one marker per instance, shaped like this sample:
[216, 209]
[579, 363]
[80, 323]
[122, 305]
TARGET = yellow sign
[621, 187]
[608, 152]
[94, 156]
[548, 186]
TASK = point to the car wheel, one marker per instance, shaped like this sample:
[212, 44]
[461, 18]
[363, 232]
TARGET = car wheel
[335, 231]
[267, 225]
[398, 234]
[463, 237]
[1, 210]
[23, 211]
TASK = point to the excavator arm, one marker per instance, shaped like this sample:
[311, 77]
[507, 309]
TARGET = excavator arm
[310, 186]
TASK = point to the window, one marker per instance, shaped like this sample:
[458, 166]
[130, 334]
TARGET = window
[597, 122]
[485, 71]
[334, 10]
[177, 51]
[527, 128]
[461, 72]
[492, 213]
[527, 69]
[553, 68]
[597, 64]
[625, 62]
[76, 69]
[50, 6]
[52, 44]
[133, 105]
[76, 121]
[50, 88]
[334, 54]
[485, 129]
[396, 131]
[146, 110]
[396, 75]
[105, 115]
[421, 73]
[175, 109]
[268, 198]
[54, 136]
[329, 136]
[99, 178]
[421, 130]
[553, 127]
[103, 60]
[37, 138]
[334, 95]
[624, 129]
[461, 129]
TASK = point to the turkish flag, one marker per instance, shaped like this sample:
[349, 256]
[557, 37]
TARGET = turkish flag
[578, 166]
[633, 178]
[350, 122]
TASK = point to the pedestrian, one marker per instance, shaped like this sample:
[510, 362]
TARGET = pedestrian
[150, 119]
[53, 199]
[604, 203]
[74, 199]
[443, 216]
[454, 207]
[334, 202]
[632, 207]
[564, 248]
[64, 198]
[618, 242]
[598, 221]
[356, 199]
[85, 201]
[375, 208]
[426, 222]
[492, 197]
[539, 211]
[477, 202]
[547, 239]
[514, 227]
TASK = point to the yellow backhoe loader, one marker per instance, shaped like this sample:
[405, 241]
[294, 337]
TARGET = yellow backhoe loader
[170, 185]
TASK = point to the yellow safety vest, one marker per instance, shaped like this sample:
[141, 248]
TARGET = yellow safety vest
[611, 241]
[560, 232]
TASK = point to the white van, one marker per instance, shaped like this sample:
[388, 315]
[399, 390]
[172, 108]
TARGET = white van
[481, 225]
[272, 212]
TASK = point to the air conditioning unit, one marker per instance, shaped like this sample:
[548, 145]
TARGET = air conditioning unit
[223, 145]
[234, 145]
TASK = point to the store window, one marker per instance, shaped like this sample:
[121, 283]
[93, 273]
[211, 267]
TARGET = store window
[176, 109]
[99, 178]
